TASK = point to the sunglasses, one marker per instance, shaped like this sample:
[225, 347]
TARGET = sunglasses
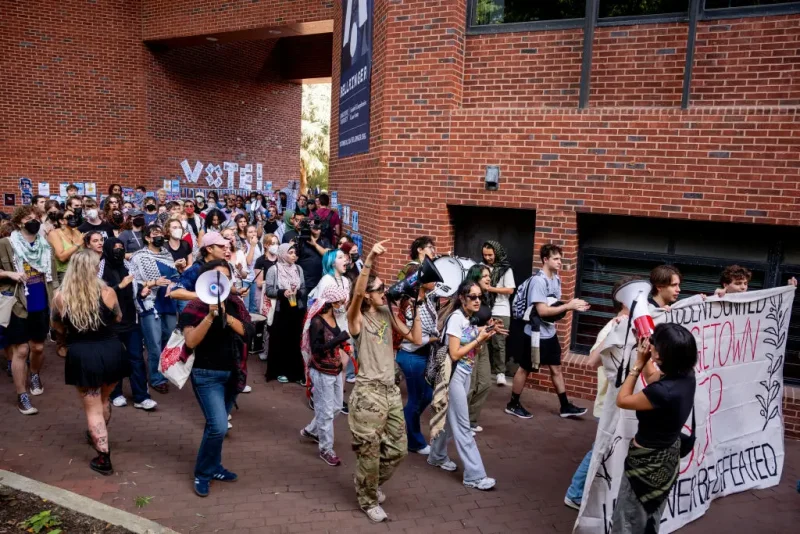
[380, 289]
[473, 297]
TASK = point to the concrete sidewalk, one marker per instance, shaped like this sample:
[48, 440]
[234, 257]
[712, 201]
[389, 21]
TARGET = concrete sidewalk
[284, 487]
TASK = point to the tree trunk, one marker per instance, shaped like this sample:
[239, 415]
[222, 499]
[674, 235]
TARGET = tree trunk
[303, 179]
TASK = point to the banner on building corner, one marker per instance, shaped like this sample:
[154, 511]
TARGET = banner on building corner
[355, 77]
[741, 342]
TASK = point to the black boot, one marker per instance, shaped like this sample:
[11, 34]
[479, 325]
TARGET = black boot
[102, 464]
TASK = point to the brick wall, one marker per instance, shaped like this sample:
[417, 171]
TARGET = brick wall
[634, 152]
[73, 103]
[217, 103]
[164, 19]
[85, 105]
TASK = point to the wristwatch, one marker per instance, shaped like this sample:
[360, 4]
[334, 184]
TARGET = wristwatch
[636, 370]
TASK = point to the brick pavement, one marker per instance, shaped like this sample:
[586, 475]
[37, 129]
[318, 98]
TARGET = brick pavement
[285, 488]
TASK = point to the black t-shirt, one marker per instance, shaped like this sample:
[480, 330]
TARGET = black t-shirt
[270, 227]
[104, 228]
[672, 399]
[218, 349]
[183, 252]
[311, 262]
[263, 264]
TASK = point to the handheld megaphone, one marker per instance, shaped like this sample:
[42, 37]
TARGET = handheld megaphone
[212, 287]
[633, 294]
[409, 287]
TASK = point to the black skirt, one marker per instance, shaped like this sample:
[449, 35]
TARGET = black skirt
[92, 364]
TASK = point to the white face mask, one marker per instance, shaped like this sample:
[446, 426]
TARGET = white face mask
[91, 214]
[212, 204]
[176, 234]
[273, 249]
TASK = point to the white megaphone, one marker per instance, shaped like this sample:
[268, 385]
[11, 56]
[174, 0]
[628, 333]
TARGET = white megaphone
[633, 294]
[212, 287]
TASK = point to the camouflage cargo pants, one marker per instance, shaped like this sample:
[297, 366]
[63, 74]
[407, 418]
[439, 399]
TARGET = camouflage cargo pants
[379, 437]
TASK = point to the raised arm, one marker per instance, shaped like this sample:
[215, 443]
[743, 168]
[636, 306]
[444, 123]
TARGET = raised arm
[360, 290]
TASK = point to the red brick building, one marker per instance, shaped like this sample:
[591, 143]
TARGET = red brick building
[628, 148]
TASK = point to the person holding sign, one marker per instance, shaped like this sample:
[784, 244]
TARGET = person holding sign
[662, 408]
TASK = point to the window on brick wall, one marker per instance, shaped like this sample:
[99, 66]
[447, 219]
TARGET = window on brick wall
[612, 247]
[722, 4]
[510, 11]
[634, 8]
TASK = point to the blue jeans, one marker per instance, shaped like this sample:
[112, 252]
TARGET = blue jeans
[575, 490]
[420, 395]
[215, 397]
[350, 370]
[252, 296]
[156, 330]
[133, 350]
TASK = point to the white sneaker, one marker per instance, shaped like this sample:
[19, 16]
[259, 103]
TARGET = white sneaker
[351, 380]
[229, 425]
[262, 356]
[119, 402]
[483, 484]
[381, 496]
[376, 514]
[229, 417]
[501, 379]
[572, 504]
[247, 389]
[447, 465]
[146, 405]
[476, 428]
[424, 450]
[472, 433]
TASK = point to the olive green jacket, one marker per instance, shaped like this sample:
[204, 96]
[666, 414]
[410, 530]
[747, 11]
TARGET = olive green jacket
[9, 286]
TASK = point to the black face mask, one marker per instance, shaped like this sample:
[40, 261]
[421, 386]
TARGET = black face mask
[73, 222]
[158, 241]
[150, 207]
[78, 212]
[118, 254]
[138, 221]
[53, 216]
[116, 218]
[32, 227]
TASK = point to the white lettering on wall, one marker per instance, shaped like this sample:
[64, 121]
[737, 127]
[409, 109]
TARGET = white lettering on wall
[214, 174]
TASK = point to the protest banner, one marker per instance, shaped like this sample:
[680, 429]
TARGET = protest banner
[741, 344]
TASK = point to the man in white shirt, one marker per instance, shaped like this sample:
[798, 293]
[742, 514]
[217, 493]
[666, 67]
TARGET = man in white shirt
[494, 256]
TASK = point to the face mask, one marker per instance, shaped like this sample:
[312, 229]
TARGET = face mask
[77, 212]
[158, 241]
[118, 254]
[273, 249]
[138, 221]
[124, 211]
[200, 200]
[116, 218]
[91, 214]
[222, 203]
[189, 210]
[150, 207]
[73, 222]
[212, 205]
[176, 234]
[339, 309]
[32, 227]
[53, 216]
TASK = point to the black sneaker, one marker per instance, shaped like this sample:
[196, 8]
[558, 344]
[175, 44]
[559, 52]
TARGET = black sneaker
[102, 464]
[345, 409]
[570, 410]
[518, 411]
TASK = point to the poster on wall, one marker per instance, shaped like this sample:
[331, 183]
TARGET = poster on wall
[741, 343]
[355, 77]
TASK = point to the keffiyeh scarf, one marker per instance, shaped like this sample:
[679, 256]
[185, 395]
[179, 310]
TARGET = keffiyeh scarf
[501, 265]
[144, 268]
[38, 255]
[330, 294]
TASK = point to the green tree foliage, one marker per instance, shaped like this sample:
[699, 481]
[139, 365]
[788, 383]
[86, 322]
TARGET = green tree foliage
[315, 134]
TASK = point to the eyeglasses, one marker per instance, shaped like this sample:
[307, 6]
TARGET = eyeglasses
[473, 297]
[380, 289]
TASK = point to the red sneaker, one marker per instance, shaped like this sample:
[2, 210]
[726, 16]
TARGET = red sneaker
[330, 458]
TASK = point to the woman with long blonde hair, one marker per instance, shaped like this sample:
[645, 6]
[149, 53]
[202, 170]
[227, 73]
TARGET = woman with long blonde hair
[85, 309]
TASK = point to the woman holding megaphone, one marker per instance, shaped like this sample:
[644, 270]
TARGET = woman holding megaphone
[376, 409]
[218, 335]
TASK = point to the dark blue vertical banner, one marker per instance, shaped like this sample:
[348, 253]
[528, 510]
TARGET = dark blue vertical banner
[355, 77]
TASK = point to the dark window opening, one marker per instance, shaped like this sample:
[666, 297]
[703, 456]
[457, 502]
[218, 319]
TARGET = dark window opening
[510, 11]
[613, 247]
[635, 8]
[721, 4]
